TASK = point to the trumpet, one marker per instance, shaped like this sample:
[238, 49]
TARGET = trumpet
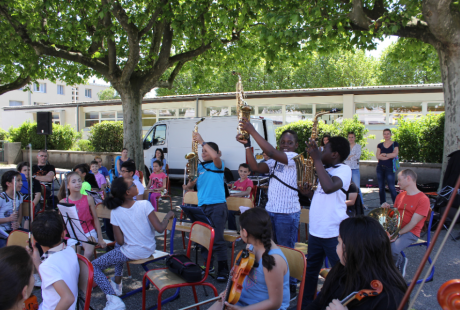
[243, 110]
[192, 157]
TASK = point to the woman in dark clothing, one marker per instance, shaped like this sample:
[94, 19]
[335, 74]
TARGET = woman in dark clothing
[365, 255]
[386, 152]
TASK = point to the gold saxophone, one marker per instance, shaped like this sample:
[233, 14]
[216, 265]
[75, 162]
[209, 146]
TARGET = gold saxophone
[242, 107]
[306, 172]
[192, 157]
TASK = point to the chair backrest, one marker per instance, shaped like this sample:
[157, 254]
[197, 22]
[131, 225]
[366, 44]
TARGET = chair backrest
[304, 216]
[254, 192]
[85, 280]
[18, 237]
[297, 268]
[234, 203]
[26, 208]
[102, 211]
[167, 169]
[191, 198]
[202, 234]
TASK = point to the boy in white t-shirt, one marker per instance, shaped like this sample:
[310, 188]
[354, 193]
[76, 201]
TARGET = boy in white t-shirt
[327, 210]
[58, 266]
[127, 171]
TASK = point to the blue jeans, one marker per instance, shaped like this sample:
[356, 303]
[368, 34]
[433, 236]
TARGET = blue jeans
[386, 173]
[356, 178]
[285, 227]
[232, 220]
[318, 249]
[2, 242]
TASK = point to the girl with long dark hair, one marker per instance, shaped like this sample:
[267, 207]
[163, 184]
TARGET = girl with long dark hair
[365, 255]
[267, 285]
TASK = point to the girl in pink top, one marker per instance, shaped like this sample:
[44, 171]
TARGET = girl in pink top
[157, 183]
[86, 212]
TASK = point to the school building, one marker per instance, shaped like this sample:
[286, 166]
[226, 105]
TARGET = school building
[377, 107]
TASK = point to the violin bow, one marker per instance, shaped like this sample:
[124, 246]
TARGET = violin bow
[430, 249]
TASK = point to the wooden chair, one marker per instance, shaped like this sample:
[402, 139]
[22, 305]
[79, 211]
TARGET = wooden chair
[190, 198]
[297, 269]
[304, 218]
[163, 279]
[43, 194]
[18, 237]
[85, 282]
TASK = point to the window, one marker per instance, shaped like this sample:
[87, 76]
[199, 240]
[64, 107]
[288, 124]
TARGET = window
[40, 87]
[435, 108]
[217, 111]
[274, 113]
[87, 93]
[329, 118]
[56, 118]
[14, 103]
[159, 137]
[406, 110]
[92, 118]
[371, 113]
[60, 89]
[298, 112]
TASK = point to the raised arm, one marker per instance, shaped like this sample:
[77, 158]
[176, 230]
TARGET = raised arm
[214, 155]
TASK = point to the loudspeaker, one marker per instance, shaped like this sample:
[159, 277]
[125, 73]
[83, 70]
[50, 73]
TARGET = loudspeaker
[44, 123]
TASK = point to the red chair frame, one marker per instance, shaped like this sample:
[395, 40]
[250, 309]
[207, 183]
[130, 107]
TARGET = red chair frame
[89, 284]
[202, 282]
[302, 282]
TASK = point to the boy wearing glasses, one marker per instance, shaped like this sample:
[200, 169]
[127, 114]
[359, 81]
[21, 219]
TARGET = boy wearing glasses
[127, 171]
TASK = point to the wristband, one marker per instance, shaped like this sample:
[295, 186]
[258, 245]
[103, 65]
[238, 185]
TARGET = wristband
[248, 144]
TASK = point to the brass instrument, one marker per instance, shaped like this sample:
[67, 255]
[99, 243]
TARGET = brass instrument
[306, 172]
[390, 219]
[242, 107]
[192, 157]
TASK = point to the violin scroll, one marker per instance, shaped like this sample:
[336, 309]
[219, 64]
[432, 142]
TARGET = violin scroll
[449, 295]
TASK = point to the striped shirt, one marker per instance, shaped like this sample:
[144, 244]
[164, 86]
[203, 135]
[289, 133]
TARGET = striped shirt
[282, 199]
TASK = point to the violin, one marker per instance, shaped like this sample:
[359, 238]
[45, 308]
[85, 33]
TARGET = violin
[377, 288]
[449, 295]
[31, 303]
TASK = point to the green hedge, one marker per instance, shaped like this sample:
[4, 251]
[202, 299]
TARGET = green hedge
[107, 137]
[83, 145]
[421, 140]
[4, 134]
[303, 130]
[63, 137]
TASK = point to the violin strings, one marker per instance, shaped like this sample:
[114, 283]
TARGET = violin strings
[435, 258]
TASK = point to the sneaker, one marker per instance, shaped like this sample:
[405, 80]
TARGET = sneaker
[212, 270]
[402, 267]
[293, 291]
[118, 288]
[114, 303]
[222, 271]
[38, 281]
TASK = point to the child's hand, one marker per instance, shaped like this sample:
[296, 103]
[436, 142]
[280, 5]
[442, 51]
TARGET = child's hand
[34, 253]
[306, 190]
[197, 138]
[170, 215]
[336, 305]
[240, 139]
[312, 149]
[246, 125]
[14, 225]
[13, 217]
[102, 243]
[231, 307]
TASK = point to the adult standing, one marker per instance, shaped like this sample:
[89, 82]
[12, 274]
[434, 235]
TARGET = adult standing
[44, 173]
[324, 141]
[124, 157]
[386, 152]
[353, 162]
[159, 155]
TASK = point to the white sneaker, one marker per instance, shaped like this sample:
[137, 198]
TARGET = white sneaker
[118, 288]
[38, 281]
[403, 267]
[114, 303]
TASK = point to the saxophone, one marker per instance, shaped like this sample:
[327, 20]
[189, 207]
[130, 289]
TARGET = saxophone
[192, 157]
[306, 172]
[242, 107]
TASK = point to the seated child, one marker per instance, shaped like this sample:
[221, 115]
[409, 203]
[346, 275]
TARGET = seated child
[16, 277]
[86, 212]
[10, 220]
[58, 266]
[134, 224]
[81, 170]
[157, 183]
[267, 285]
[245, 185]
[100, 179]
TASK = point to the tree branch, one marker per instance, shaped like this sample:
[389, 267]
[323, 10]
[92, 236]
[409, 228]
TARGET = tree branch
[152, 20]
[18, 83]
[112, 51]
[186, 56]
[416, 29]
[357, 15]
[156, 39]
[378, 10]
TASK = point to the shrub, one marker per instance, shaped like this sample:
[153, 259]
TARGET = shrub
[107, 136]
[4, 134]
[303, 130]
[421, 140]
[83, 145]
[62, 138]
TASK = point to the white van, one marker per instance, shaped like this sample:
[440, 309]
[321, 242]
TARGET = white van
[174, 137]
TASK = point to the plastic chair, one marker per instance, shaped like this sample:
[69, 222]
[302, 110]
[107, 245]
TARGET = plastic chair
[297, 269]
[163, 279]
[304, 218]
[421, 242]
[85, 282]
[18, 237]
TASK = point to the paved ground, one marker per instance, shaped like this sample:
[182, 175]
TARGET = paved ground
[447, 267]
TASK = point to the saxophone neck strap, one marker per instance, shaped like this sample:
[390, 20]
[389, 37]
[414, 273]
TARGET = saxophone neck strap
[203, 163]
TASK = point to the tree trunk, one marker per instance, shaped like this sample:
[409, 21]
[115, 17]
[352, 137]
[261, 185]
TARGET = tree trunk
[449, 56]
[132, 125]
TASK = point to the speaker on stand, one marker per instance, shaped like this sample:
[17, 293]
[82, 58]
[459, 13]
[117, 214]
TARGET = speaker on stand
[44, 124]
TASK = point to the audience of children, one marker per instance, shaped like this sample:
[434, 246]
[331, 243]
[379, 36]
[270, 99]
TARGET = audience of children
[10, 219]
[86, 213]
[134, 224]
[157, 183]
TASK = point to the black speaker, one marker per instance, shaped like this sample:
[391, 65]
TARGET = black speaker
[44, 123]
